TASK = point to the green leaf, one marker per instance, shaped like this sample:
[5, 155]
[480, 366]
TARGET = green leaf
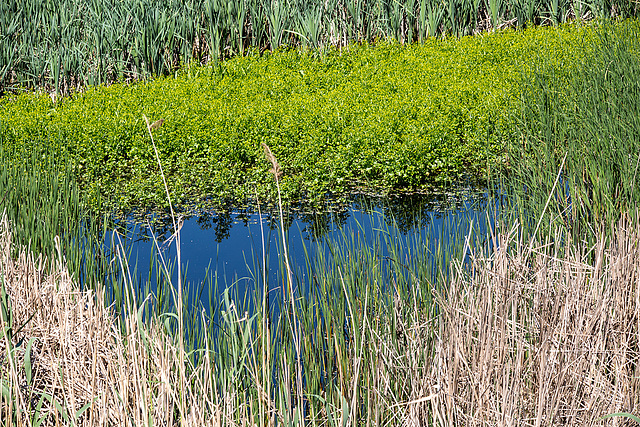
[27, 360]
[622, 414]
[39, 419]
[5, 387]
[82, 410]
[58, 406]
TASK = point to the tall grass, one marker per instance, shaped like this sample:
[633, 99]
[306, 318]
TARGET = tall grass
[540, 334]
[293, 361]
[587, 121]
[74, 43]
[515, 325]
[521, 333]
[247, 361]
[42, 202]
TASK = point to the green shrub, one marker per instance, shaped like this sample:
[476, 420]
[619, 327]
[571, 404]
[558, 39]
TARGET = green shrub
[389, 116]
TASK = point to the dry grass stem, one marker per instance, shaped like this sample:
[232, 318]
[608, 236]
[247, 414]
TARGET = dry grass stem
[275, 166]
[547, 336]
[81, 359]
[549, 342]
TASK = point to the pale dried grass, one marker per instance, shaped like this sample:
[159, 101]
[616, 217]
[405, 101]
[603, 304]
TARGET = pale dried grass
[523, 335]
[81, 357]
[528, 335]
[531, 338]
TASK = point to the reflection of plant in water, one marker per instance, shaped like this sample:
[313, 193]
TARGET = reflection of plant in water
[221, 221]
[413, 211]
[408, 212]
[318, 223]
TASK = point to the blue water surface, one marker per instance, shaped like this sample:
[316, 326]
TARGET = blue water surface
[230, 250]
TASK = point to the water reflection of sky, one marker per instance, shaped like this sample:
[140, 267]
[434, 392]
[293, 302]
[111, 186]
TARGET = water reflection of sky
[230, 248]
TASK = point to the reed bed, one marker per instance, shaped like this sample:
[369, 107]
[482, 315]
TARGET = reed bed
[43, 202]
[66, 361]
[578, 153]
[522, 331]
[71, 44]
[520, 335]
[540, 334]
[522, 320]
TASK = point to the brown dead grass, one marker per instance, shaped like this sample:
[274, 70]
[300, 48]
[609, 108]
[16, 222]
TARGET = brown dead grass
[523, 337]
[80, 356]
[531, 339]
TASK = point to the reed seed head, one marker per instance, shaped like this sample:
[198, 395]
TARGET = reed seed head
[153, 126]
[275, 170]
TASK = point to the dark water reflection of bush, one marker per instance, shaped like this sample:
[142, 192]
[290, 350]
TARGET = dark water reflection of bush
[407, 211]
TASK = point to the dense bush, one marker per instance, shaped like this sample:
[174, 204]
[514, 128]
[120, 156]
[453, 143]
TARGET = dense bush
[385, 116]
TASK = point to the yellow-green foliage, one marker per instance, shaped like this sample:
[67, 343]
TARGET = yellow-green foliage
[68, 44]
[386, 116]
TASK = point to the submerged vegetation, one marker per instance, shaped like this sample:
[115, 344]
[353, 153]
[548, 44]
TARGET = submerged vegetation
[531, 322]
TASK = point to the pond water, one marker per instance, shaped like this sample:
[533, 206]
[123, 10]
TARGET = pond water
[232, 248]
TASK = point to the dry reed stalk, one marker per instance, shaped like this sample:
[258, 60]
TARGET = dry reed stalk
[80, 356]
[549, 342]
[176, 236]
[528, 335]
[294, 324]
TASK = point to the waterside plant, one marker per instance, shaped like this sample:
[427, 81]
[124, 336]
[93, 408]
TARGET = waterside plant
[584, 124]
[383, 118]
[72, 44]
[535, 333]
[525, 320]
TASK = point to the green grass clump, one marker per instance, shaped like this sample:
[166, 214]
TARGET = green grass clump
[43, 204]
[388, 116]
[581, 131]
[87, 42]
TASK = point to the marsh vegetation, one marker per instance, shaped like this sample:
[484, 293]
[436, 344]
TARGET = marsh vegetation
[528, 319]
[71, 44]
